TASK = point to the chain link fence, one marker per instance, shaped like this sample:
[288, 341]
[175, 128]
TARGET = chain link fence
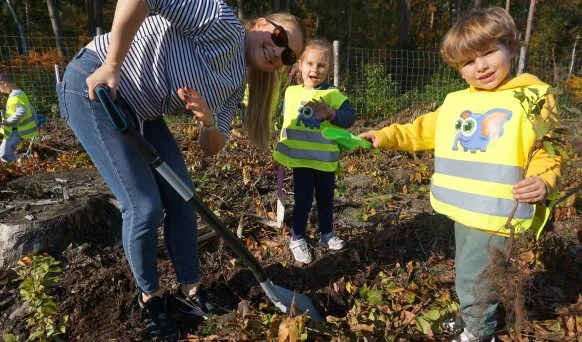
[379, 83]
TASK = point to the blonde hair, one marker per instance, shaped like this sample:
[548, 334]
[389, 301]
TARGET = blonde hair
[476, 31]
[316, 43]
[263, 92]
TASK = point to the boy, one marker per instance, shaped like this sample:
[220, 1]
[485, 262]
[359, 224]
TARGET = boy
[18, 120]
[481, 137]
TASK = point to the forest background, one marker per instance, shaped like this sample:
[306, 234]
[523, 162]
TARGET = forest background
[388, 50]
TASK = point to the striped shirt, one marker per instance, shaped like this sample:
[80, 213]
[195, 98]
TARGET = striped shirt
[196, 43]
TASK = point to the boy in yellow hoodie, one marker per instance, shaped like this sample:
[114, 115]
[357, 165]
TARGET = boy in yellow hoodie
[481, 137]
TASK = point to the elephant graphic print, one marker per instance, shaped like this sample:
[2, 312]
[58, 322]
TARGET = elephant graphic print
[475, 130]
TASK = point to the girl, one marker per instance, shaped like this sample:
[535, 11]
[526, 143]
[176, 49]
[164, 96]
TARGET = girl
[309, 108]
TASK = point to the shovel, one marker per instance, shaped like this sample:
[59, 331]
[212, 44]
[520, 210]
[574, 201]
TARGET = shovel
[285, 300]
[345, 139]
[280, 206]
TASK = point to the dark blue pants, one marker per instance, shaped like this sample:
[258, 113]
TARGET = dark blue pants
[305, 180]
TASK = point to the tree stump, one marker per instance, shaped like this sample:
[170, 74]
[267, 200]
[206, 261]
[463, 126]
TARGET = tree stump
[46, 212]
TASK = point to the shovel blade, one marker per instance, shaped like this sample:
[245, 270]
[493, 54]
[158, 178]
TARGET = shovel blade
[290, 301]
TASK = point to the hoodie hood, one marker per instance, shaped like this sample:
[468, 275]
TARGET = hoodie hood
[522, 80]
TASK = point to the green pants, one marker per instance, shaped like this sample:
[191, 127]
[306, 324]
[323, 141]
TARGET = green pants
[473, 255]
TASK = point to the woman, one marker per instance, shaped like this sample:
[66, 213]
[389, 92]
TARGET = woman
[194, 51]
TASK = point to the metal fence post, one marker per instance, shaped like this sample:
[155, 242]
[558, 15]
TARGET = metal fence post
[336, 63]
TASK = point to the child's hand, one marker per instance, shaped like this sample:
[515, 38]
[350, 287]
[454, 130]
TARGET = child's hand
[322, 110]
[530, 190]
[371, 137]
[197, 105]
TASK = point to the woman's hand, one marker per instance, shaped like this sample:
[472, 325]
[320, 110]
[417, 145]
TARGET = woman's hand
[107, 75]
[370, 137]
[530, 190]
[197, 105]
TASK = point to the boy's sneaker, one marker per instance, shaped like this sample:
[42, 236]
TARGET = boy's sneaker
[331, 241]
[301, 250]
[454, 325]
[157, 319]
[202, 304]
[466, 336]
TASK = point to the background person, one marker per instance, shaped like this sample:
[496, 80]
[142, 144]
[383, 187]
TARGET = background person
[18, 120]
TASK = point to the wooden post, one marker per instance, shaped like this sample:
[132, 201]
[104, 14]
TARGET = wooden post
[336, 63]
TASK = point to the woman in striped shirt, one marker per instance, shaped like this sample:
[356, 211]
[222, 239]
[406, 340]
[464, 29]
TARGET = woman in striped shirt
[186, 50]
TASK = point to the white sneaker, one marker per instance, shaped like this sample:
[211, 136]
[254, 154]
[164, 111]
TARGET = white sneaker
[466, 336]
[300, 250]
[331, 241]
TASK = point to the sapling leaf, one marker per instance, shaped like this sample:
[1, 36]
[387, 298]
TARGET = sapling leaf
[549, 148]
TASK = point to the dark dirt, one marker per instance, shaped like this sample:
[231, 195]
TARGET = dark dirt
[97, 289]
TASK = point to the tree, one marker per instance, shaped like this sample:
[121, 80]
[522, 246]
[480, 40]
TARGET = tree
[56, 23]
[241, 9]
[90, 18]
[478, 3]
[404, 31]
[21, 30]
[524, 49]
[98, 16]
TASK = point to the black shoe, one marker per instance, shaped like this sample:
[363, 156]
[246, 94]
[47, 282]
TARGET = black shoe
[202, 304]
[157, 319]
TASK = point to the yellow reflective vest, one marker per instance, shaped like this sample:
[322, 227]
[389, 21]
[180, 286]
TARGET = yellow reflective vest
[481, 144]
[301, 143]
[26, 128]
[481, 140]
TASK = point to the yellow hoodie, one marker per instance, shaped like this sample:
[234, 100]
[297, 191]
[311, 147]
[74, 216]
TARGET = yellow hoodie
[427, 132]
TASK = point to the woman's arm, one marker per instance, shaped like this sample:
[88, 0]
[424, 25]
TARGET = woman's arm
[129, 15]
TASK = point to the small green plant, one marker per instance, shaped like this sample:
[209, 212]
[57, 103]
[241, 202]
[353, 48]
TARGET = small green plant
[547, 135]
[38, 274]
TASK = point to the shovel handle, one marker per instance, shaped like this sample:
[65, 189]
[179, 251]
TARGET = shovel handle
[280, 180]
[151, 155]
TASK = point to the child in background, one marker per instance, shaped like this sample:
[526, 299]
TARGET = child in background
[476, 183]
[309, 107]
[18, 121]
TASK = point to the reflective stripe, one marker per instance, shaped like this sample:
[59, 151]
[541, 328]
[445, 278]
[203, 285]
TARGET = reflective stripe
[297, 153]
[481, 204]
[502, 174]
[28, 131]
[310, 136]
[26, 120]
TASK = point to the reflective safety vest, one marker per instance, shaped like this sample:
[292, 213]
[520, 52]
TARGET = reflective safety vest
[301, 143]
[26, 126]
[482, 142]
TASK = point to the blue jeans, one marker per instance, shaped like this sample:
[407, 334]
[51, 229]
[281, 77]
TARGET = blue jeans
[305, 180]
[472, 256]
[144, 196]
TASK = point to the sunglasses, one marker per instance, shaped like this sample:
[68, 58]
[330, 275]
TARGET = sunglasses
[280, 38]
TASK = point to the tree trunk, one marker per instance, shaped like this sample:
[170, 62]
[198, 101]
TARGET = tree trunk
[478, 3]
[90, 18]
[99, 17]
[56, 23]
[507, 3]
[404, 32]
[241, 9]
[525, 48]
[21, 30]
